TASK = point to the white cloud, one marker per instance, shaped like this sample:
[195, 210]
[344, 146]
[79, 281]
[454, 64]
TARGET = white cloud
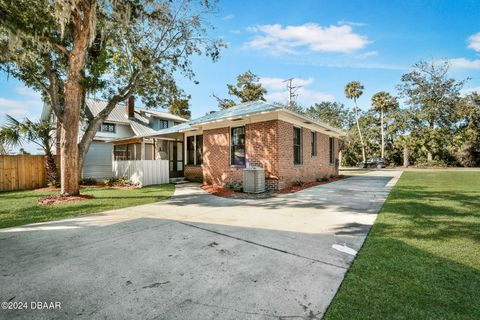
[474, 42]
[28, 92]
[285, 39]
[280, 84]
[277, 91]
[462, 63]
[351, 23]
[367, 55]
[28, 104]
[470, 90]
[228, 17]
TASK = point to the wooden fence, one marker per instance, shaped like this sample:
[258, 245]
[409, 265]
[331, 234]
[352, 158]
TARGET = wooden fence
[22, 172]
[142, 172]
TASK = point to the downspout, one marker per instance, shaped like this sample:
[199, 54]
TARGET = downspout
[251, 144]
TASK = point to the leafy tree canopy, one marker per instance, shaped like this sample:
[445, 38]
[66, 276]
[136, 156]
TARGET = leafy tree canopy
[332, 113]
[67, 49]
[246, 89]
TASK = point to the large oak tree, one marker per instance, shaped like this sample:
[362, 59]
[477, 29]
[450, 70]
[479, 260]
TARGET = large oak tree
[67, 49]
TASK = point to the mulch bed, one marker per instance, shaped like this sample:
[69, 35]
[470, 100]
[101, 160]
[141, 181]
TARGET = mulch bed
[229, 193]
[124, 187]
[220, 191]
[59, 199]
[306, 185]
[46, 189]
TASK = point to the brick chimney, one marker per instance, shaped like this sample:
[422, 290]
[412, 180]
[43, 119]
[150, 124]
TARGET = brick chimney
[131, 107]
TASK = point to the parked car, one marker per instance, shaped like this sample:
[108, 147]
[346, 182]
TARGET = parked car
[374, 163]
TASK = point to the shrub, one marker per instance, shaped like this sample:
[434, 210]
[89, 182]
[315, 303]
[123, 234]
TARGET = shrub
[88, 181]
[430, 164]
[109, 182]
[322, 179]
[54, 183]
[235, 186]
[299, 183]
[122, 181]
[117, 182]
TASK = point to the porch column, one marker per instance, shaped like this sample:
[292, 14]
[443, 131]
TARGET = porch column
[142, 150]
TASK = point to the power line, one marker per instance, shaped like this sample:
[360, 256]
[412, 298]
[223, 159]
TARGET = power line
[291, 90]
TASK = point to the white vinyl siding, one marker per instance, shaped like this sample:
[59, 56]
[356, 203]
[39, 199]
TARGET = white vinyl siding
[98, 162]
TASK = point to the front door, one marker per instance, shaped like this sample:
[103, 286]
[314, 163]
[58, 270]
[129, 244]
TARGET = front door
[176, 159]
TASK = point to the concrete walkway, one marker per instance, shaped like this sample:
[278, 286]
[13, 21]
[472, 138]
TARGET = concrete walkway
[195, 256]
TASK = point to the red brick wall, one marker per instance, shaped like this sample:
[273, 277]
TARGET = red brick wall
[216, 158]
[272, 149]
[262, 152]
[194, 173]
[311, 167]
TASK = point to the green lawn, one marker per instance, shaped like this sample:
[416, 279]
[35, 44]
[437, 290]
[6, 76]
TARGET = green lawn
[421, 259]
[20, 207]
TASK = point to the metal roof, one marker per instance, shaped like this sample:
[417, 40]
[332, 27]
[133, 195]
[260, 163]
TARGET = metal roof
[139, 124]
[119, 114]
[241, 110]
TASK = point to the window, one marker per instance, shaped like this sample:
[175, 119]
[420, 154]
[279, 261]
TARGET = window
[332, 150]
[163, 124]
[159, 124]
[238, 146]
[190, 150]
[133, 151]
[314, 144]
[120, 152]
[106, 127]
[195, 150]
[199, 149]
[297, 145]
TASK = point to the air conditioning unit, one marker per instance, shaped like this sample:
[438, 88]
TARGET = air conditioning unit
[254, 180]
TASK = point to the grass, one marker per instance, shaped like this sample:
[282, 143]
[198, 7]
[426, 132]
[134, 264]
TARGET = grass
[421, 259]
[20, 207]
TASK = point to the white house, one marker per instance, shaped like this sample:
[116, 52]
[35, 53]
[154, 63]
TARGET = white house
[123, 122]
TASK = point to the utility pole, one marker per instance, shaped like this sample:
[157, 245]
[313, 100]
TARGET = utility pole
[291, 90]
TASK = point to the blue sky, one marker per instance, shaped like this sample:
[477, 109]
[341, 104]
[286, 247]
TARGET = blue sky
[323, 44]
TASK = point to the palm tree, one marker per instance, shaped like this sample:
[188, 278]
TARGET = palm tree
[353, 90]
[382, 103]
[15, 133]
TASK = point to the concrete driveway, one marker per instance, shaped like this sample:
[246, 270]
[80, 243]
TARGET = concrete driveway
[195, 256]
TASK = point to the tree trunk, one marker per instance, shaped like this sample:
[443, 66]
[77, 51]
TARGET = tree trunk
[52, 174]
[69, 178]
[383, 134]
[429, 156]
[406, 156]
[81, 24]
[360, 132]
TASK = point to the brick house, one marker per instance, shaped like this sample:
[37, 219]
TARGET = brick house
[216, 148]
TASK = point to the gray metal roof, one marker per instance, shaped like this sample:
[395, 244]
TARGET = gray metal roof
[119, 114]
[241, 110]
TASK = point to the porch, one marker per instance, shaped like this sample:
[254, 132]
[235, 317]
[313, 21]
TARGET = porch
[148, 161]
